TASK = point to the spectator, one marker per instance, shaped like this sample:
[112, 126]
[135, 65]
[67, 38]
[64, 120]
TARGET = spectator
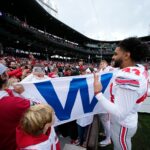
[38, 74]
[103, 66]
[104, 117]
[11, 111]
[53, 73]
[81, 63]
[68, 72]
[84, 123]
[36, 130]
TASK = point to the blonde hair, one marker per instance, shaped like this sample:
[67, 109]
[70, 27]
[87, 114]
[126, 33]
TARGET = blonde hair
[35, 118]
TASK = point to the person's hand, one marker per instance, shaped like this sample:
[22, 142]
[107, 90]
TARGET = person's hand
[18, 88]
[97, 84]
[11, 81]
[24, 72]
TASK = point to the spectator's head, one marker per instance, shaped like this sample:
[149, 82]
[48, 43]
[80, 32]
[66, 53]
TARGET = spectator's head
[129, 52]
[85, 70]
[13, 65]
[38, 71]
[81, 62]
[103, 64]
[3, 76]
[3, 61]
[37, 119]
[68, 72]
[88, 71]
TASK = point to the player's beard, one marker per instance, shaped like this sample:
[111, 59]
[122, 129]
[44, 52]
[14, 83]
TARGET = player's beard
[117, 63]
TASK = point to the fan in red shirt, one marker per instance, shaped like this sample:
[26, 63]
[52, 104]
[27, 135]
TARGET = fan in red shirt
[11, 110]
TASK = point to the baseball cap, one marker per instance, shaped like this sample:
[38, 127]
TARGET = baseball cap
[2, 68]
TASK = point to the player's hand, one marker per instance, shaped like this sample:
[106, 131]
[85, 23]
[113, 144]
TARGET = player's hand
[97, 84]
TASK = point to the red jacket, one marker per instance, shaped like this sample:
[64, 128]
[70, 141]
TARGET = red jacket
[17, 73]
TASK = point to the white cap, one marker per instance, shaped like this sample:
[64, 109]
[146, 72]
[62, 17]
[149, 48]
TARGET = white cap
[2, 68]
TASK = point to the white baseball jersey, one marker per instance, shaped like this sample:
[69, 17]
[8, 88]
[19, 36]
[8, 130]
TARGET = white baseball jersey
[128, 90]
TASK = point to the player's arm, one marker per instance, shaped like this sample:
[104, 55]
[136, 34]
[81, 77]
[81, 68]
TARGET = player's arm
[125, 97]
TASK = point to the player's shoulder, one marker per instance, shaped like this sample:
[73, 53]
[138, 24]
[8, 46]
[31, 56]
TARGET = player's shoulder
[130, 77]
[134, 72]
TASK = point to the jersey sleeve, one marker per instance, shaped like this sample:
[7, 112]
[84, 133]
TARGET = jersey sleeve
[126, 101]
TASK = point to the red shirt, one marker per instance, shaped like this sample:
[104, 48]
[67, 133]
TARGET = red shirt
[42, 141]
[16, 73]
[11, 111]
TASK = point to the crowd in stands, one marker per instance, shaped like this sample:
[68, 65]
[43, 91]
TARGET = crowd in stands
[19, 68]
[108, 48]
[44, 34]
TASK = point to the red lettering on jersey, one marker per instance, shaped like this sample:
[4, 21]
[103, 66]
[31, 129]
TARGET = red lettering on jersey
[112, 98]
[126, 69]
[134, 70]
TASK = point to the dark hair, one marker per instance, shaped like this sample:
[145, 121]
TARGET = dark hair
[136, 47]
[2, 82]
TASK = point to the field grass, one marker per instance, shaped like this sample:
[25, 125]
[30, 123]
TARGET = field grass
[141, 141]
